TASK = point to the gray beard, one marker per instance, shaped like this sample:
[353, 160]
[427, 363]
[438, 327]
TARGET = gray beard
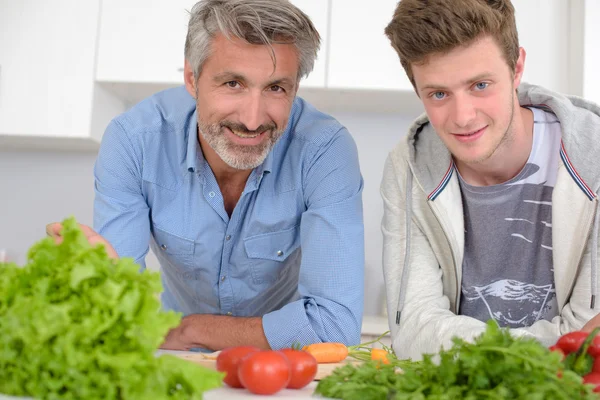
[238, 156]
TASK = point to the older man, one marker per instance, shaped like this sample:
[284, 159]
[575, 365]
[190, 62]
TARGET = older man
[249, 196]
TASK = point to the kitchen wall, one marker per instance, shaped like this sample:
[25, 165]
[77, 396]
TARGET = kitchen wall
[40, 187]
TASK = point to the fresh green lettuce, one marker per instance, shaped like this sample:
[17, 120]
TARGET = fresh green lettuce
[75, 324]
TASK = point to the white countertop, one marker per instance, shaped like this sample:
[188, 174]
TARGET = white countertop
[226, 392]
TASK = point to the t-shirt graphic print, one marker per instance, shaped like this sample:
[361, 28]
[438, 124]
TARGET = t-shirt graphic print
[508, 272]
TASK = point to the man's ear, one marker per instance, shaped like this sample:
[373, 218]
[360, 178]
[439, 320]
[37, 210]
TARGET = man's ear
[189, 79]
[519, 67]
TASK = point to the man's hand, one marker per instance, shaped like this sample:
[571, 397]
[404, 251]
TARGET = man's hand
[216, 332]
[177, 339]
[591, 324]
[53, 230]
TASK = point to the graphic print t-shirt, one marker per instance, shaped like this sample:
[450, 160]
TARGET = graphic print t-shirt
[508, 273]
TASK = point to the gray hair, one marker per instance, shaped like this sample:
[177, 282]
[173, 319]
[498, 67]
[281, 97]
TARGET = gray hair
[264, 22]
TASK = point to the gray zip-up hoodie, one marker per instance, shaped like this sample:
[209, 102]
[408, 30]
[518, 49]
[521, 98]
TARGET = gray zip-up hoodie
[422, 260]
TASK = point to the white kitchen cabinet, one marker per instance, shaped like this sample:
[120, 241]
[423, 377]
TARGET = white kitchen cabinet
[318, 11]
[544, 32]
[591, 51]
[142, 41]
[360, 55]
[47, 62]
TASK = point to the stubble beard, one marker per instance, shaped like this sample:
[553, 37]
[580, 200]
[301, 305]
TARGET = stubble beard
[242, 157]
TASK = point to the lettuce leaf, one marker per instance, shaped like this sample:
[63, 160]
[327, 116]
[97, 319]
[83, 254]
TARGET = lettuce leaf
[75, 324]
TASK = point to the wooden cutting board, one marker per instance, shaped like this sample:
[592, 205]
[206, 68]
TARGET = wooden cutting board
[209, 361]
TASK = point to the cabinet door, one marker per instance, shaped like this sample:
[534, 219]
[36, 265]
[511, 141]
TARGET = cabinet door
[591, 52]
[47, 55]
[361, 56]
[318, 11]
[142, 41]
[543, 27]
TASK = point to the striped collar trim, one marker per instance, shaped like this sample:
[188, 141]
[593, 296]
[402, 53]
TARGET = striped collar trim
[563, 155]
[578, 180]
[443, 183]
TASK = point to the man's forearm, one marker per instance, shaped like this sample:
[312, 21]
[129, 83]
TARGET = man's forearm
[216, 332]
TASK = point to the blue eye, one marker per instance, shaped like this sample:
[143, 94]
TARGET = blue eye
[481, 85]
[439, 95]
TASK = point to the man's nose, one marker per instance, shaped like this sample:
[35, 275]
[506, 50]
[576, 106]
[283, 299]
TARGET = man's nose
[253, 112]
[464, 111]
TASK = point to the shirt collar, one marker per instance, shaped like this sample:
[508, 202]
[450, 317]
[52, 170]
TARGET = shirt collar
[194, 155]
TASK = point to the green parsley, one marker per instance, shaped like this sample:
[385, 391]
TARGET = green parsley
[494, 366]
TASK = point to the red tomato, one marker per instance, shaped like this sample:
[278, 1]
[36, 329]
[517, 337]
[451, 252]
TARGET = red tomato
[558, 350]
[265, 372]
[593, 378]
[571, 342]
[228, 361]
[596, 366]
[594, 349]
[303, 366]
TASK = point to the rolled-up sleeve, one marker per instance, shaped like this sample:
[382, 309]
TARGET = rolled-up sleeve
[331, 278]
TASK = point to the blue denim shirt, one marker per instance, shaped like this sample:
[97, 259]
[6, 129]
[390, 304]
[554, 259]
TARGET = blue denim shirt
[292, 250]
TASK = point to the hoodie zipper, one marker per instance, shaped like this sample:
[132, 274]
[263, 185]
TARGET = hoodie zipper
[435, 210]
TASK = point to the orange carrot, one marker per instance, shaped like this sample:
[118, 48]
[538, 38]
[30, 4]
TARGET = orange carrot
[380, 355]
[327, 352]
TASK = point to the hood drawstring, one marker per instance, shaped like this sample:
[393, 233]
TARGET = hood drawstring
[594, 259]
[405, 270]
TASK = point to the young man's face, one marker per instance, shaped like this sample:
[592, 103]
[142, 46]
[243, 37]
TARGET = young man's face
[243, 104]
[469, 96]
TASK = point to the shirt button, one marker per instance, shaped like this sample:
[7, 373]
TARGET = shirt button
[229, 313]
[212, 194]
[223, 278]
[228, 237]
[163, 246]
[279, 253]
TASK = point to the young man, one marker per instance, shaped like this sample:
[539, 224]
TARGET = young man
[249, 196]
[491, 201]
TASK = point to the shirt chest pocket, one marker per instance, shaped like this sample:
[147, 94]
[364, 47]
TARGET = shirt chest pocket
[178, 251]
[269, 253]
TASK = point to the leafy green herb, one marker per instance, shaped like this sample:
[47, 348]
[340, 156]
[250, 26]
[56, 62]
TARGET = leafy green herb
[495, 366]
[75, 324]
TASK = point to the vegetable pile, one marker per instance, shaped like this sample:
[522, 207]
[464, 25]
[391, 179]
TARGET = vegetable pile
[494, 366]
[75, 324]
